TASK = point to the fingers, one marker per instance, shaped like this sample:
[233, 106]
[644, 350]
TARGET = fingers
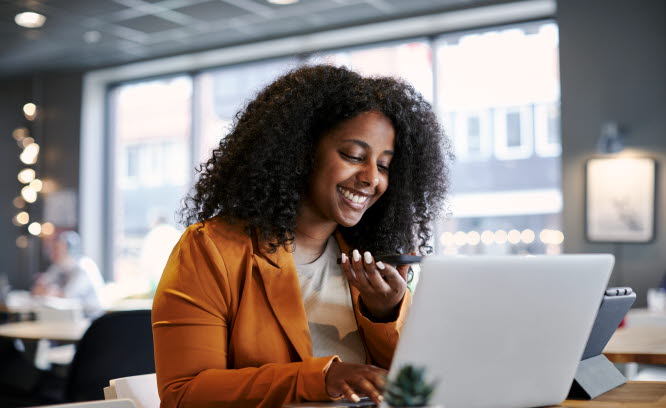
[349, 393]
[372, 271]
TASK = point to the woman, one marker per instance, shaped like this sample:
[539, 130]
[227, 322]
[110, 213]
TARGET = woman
[252, 309]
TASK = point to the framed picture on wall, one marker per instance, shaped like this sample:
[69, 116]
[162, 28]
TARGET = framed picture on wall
[620, 199]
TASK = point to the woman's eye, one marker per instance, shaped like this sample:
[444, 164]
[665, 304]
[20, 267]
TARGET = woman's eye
[383, 167]
[351, 158]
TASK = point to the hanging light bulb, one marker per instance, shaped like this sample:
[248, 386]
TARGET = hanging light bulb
[29, 194]
[35, 228]
[20, 133]
[29, 154]
[30, 111]
[19, 202]
[36, 185]
[22, 241]
[25, 176]
[25, 142]
[48, 228]
[23, 218]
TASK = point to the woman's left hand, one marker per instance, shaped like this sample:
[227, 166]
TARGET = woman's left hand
[381, 286]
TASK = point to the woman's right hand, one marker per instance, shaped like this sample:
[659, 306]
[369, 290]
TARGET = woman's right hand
[351, 379]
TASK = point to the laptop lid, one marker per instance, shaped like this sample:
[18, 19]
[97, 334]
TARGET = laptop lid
[504, 331]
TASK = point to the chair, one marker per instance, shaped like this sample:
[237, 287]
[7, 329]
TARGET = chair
[116, 345]
[141, 389]
[119, 403]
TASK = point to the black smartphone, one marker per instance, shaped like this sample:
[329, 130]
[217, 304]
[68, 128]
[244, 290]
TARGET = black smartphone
[396, 259]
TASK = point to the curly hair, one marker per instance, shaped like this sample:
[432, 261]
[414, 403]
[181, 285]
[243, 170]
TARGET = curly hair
[259, 172]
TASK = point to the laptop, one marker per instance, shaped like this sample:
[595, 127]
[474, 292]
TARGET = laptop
[500, 331]
[505, 331]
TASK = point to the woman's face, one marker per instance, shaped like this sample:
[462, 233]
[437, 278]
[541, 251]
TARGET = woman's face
[351, 168]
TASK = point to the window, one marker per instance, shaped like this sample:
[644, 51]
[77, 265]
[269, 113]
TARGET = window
[513, 133]
[498, 94]
[547, 130]
[151, 133]
[472, 136]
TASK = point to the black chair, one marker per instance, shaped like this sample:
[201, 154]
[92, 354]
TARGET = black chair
[117, 344]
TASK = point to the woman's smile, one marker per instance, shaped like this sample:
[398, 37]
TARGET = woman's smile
[353, 198]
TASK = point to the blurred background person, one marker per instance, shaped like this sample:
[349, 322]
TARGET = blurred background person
[71, 275]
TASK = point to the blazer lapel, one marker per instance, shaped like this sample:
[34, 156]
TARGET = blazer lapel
[278, 273]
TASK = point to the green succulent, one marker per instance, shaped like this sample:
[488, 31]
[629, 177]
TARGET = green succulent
[409, 388]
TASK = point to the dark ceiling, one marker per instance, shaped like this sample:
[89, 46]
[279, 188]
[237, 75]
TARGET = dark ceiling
[132, 30]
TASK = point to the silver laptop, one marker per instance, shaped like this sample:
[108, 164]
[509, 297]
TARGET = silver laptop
[503, 331]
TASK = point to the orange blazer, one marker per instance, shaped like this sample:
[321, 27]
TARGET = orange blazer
[230, 330]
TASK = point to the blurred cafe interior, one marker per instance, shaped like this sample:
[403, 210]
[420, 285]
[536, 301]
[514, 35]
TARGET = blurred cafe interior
[556, 111]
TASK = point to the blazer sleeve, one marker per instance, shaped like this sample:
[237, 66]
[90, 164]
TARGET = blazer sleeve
[190, 334]
[381, 339]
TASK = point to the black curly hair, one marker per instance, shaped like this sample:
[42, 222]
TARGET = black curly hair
[260, 171]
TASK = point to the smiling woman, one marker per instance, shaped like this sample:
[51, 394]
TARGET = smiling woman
[252, 308]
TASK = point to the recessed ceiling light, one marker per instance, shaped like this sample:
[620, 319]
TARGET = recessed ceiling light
[30, 19]
[282, 2]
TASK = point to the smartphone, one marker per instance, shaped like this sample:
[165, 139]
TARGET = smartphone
[396, 259]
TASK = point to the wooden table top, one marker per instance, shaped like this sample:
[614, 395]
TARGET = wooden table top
[65, 331]
[640, 344]
[634, 394]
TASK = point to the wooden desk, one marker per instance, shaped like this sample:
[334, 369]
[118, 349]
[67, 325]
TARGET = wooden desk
[640, 344]
[634, 394]
[64, 331]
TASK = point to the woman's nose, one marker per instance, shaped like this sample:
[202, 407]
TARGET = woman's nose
[369, 175]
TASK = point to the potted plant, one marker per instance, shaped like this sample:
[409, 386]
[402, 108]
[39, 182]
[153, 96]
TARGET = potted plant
[409, 388]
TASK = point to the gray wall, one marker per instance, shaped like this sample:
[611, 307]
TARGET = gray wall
[57, 131]
[613, 67]
[13, 94]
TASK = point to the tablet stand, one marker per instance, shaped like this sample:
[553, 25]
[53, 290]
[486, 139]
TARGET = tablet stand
[595, 376]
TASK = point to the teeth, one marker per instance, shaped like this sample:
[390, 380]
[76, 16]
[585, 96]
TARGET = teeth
[353, 197]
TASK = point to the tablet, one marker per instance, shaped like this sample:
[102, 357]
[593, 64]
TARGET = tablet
[614, 306]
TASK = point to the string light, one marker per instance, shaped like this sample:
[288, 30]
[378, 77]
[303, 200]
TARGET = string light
[23, 218]
[48, 228]
[29, 194]
[473, 238]
[527, 236]
[513, 236]
[487, 237]
[25, 176]
[20, 133]
[22, 241]
[36, 185]
[19, 202]
[29, 154]
[35, 228]
[500, 237]
[30, 111]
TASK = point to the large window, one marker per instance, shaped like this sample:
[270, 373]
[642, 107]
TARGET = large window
[497, 94]
[151, 139]
[498, 89]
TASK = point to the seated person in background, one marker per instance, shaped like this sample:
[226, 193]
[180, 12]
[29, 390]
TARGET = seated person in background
[252, 308]
[71, 275]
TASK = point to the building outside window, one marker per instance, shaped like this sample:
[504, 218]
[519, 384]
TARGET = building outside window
[511, 200]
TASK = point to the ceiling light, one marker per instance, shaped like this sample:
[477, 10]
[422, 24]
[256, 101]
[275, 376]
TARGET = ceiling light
[30, 19]
[282, 2]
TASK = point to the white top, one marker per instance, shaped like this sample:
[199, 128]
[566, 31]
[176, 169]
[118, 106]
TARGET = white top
[329, 309]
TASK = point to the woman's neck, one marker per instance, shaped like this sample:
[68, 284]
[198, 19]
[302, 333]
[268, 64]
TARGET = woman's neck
[310, 238]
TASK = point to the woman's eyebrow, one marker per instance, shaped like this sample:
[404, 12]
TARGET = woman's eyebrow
[365, 145]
